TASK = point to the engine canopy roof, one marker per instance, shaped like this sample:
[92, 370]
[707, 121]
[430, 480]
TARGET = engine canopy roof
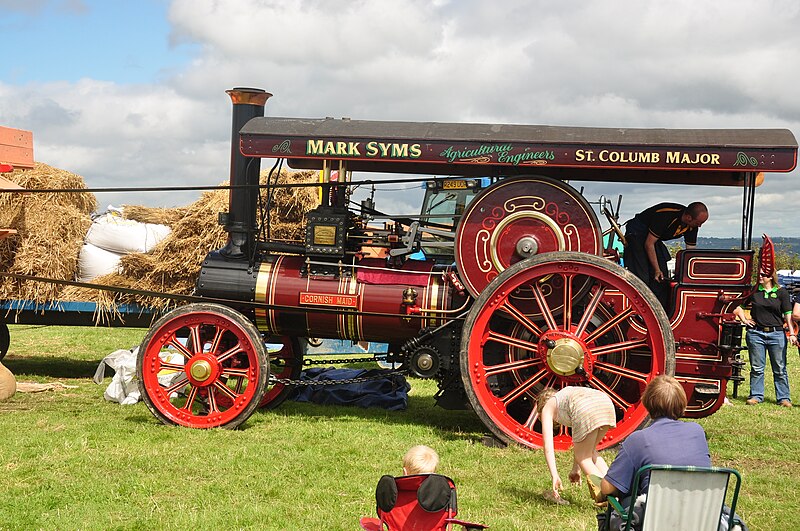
[676, 156]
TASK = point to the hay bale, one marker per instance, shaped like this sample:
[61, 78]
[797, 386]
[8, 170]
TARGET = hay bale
[172, 267]
[44, 177]
[50, 229]
[49, 240]
[174, 264]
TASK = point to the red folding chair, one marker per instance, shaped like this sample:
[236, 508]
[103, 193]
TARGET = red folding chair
[422, 502]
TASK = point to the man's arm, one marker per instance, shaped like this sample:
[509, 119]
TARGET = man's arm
[690, 239]
[650, 250]
[796, 311]
[607, 488]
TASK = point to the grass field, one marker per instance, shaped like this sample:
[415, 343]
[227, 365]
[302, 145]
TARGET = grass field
[70, 460]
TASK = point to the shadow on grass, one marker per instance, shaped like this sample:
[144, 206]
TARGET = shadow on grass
[526, 496]
[52, 367]
[450, 425]
[422, 411]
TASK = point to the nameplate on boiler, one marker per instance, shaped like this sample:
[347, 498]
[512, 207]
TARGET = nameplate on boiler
[328, 299]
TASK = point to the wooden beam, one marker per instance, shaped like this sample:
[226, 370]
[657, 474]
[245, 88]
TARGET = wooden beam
[6, 184]
[5, 233]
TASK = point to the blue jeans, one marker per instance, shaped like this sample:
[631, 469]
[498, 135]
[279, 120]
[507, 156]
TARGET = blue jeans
[758, 344]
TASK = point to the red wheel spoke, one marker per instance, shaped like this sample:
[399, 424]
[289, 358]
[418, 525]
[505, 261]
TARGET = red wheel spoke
[613, 395]
[608, 325]
[177, 345]
[235, 373]
[212, 402]
[172, 366]
[196, 339]
[623, 371]
[532, 418]
[567, 301]
[177, 385]
[236, 349]
[543, 306]
[239, 383]
[217, 338]
[190, 399]
[590, 309]
[512, 366]
[522, 389]
[510, 341]
[619, 347]
[521, 318]
[224, 389]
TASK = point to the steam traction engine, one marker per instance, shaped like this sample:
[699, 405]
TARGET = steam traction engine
[528, 297]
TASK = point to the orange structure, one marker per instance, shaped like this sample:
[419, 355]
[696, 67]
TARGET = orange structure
[16, 151]
[16, 148]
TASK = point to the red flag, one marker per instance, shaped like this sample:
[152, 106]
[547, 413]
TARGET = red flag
[766, 258]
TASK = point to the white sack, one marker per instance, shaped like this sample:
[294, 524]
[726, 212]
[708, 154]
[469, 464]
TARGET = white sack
[114, 233]
[95, 262]
[123, 388]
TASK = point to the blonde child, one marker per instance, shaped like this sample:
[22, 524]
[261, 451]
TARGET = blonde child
[420, 459]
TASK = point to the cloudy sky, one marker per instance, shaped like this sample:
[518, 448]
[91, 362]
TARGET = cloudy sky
[132, 93]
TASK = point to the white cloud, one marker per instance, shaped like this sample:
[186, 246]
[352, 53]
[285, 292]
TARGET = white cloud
[682, 64]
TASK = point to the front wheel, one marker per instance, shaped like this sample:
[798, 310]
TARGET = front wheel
[560, 319]
[202, 366]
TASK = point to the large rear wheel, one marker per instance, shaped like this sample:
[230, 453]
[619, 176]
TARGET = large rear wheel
[560, 319]
[285, 361]
[203, 366]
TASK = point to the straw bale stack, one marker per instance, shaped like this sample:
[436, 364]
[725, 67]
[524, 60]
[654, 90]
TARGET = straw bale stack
[50, 230]
[174, 264]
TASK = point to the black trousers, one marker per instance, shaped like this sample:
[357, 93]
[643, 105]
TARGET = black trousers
[635, 259]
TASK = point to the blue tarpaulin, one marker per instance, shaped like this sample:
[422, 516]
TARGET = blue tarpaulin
[387, 391]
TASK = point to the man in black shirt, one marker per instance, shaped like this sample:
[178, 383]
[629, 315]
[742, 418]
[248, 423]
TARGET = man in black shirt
[646, 256]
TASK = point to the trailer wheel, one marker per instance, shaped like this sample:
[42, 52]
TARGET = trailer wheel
[202, 366]
[5, 340]
[285, 362]
[530, 328]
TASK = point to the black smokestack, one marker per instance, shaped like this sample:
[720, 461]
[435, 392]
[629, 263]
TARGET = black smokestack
[240, 223]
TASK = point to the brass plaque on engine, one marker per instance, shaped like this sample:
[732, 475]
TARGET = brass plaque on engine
[325, 235]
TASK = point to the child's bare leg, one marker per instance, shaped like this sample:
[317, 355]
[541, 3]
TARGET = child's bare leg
[599, 462]
[584, 455]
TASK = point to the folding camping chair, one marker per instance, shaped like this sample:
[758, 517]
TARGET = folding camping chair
[424, 502]
[681, 498]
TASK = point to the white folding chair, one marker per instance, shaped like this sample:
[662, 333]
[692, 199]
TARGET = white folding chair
[682, 498]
